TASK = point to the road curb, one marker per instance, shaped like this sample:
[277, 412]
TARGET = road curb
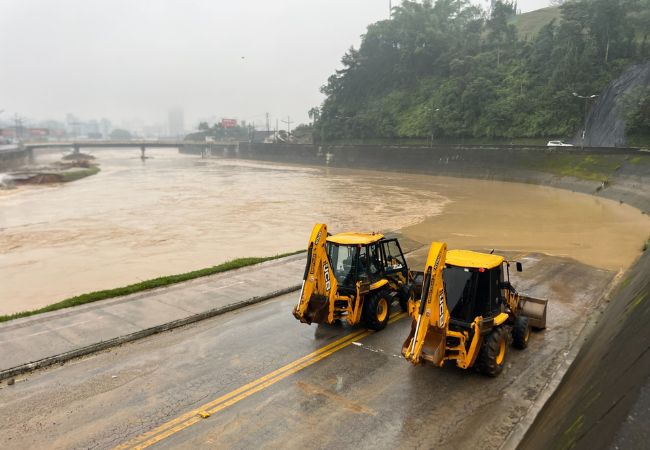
[103, 345]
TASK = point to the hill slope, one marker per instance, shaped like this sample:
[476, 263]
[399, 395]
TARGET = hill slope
[437, 70]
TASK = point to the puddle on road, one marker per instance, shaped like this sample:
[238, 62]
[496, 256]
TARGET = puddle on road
[175, 213]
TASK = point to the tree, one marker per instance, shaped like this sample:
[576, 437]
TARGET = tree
[314, 114]
[120, 134]
[203, 126]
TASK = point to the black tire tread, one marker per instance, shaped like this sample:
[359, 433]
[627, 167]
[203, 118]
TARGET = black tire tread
[369, 313]
[487, 356]
[519, 331]
[403, 296]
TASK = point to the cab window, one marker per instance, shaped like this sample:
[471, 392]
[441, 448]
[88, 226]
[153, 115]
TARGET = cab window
[394, 258]
[375, 264]
[343, 260]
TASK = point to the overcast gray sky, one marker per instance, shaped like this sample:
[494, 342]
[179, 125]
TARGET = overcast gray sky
[127, 59]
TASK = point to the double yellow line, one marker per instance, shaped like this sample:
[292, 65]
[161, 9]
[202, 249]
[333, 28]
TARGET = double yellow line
[196, 415]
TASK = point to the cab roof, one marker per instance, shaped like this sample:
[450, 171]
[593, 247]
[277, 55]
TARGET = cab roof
[355, 238]
[474, 260]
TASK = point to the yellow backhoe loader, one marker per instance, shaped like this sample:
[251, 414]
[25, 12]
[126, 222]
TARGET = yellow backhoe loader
[353, 277]
[468, 312]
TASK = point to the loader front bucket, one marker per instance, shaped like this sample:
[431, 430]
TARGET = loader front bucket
[535, 310]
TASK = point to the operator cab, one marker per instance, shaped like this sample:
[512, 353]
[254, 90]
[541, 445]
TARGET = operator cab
[474, 285]
[365, 257]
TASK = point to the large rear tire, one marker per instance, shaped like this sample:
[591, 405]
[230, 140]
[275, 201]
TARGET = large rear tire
[492, 356]
[521, 332]
[376, 310]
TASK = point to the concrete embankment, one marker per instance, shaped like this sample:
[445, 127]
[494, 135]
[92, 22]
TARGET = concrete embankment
[13, 156]
[615, 173]
[590, 405]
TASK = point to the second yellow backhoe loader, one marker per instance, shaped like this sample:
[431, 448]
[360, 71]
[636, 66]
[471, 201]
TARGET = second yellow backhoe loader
[353, 277]
[466, 311]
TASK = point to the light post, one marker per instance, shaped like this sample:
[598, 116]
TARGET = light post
[584, 127]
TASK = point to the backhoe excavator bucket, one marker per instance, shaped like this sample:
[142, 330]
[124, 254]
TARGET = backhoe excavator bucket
[433, 348]
[318, 283]
[535, 310]
[427, 339]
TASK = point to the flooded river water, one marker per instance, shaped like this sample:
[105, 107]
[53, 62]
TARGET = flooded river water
[175, 213]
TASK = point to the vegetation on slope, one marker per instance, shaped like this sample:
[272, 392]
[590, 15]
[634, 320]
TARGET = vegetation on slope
[451, 70]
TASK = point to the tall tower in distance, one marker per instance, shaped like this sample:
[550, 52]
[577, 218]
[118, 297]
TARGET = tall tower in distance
[176, 122]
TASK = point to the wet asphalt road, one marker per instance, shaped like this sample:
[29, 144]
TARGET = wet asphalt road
[363, 395]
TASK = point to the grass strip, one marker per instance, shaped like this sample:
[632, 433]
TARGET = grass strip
[145, 285]
[73, 175]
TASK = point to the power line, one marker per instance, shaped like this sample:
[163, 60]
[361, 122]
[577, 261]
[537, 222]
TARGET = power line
[288, 122]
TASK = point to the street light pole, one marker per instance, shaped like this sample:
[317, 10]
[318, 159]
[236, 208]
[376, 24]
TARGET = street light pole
[584, 127]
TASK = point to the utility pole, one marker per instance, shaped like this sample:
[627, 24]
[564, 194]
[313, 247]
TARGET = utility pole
[288, 122]
[18, 125]
[268, 129]
[390, 9]
[277, 128]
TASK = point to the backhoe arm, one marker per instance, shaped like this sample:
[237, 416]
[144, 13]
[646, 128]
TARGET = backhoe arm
[430, 314]
[318, 283]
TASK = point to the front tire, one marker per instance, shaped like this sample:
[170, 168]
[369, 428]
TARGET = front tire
[376, 310]
[403, 296]
[492, 356]
[521, 332]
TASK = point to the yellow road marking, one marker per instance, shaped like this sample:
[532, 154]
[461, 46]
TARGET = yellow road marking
[191, 417]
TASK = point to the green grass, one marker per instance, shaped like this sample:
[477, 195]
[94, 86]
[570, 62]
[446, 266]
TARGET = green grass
[145, 285]
[73, 175]
[646, 245]
[589, 167]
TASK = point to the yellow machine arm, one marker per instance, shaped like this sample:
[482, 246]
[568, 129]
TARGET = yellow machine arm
[430, 314]
[318, 283]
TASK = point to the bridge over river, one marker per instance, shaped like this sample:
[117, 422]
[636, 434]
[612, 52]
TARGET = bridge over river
[15, 155]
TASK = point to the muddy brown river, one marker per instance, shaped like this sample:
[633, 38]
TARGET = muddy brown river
[175, 213]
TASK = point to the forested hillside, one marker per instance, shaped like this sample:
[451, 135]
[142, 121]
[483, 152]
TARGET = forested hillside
[451, 69]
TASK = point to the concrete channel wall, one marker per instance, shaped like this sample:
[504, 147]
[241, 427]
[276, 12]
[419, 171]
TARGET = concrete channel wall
[615, 173]
[591, 404]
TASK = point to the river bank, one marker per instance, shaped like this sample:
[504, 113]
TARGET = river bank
[70, 168]
[121, 230]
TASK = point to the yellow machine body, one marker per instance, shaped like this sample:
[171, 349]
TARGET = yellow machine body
[489, 311]
[352, 277]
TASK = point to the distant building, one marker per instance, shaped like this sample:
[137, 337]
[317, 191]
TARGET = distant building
[176, 122]
[259, 136]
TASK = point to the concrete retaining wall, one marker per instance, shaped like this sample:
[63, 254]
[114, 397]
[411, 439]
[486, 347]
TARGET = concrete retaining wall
[13, 158]
[619, 174]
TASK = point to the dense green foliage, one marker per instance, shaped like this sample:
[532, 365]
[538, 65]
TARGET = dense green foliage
[637, 105]
[452, 70]
[144, 285]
